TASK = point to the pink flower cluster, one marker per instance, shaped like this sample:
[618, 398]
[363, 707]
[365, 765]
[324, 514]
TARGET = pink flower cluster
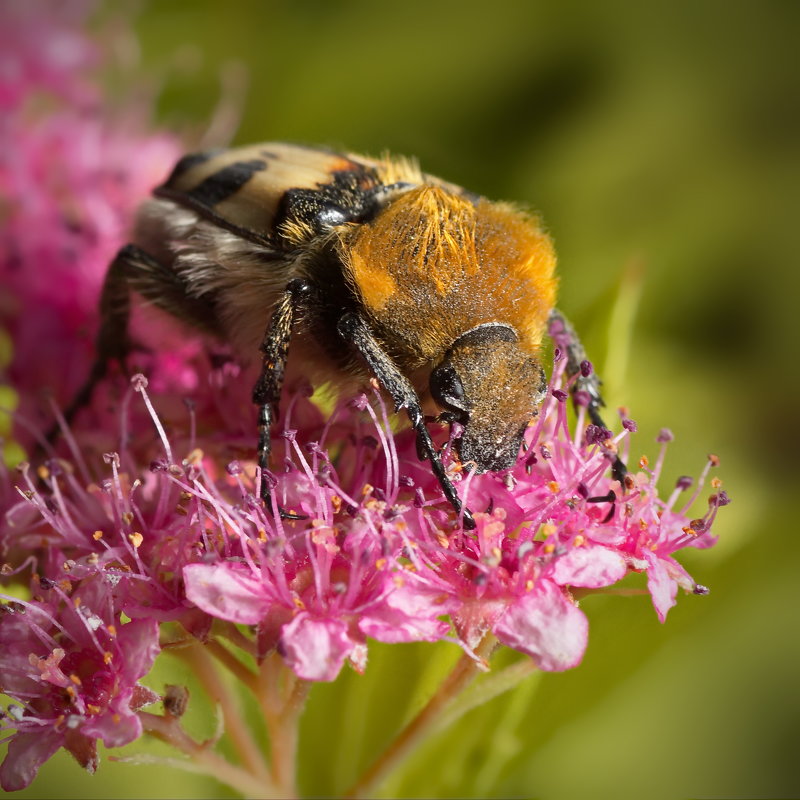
[170, 534]
[148, 512]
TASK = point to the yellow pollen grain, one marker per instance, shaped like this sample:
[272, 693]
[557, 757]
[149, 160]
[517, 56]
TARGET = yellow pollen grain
[549, 548]
[528, 585]
[136, 539]
[70, 690]
[367, 489]
[336, 502]
[262, 535]
[75, 679]
[553, 487]
[398, 581]
[181, 510]
[92, 708]
[107, 658]
[195, 457]
[713, 459]
[642, 525]
[76, 601]
[443, 540]
[117, 719]
[127, 517]
[644, 461]
[548, 529]
[112, 631]
[97, 535]
[299, 603]
[579, 541]
[716, 483]
[380, 563]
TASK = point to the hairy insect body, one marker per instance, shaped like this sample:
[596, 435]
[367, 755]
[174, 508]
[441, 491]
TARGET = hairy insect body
[371, 267]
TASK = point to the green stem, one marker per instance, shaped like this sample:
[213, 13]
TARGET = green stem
[206, 761]
[244, 674]
[206, 671]
[282, 697]
[487, 689]
[425, 724]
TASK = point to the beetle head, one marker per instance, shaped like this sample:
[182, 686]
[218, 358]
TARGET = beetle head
[492, 387]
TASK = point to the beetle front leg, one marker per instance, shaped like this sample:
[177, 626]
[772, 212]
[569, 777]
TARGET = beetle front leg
[353, 328]
[565, 337]
[267, 391]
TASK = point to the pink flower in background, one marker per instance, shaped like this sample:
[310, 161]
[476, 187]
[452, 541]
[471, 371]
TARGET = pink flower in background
[43, 47]
[70, 180]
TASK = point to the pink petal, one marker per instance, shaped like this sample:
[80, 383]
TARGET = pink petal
[316, 648]
[547, 626]
[26, 753]
[139, 640]
[661, 584]
[387, 625]
[226, 591]
[590, 566]
[115, 729]
[408, 614]
[475, 618]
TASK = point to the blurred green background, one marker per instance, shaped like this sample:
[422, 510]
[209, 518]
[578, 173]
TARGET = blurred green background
[660, 143]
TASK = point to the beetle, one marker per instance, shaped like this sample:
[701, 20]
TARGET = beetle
[371, 268]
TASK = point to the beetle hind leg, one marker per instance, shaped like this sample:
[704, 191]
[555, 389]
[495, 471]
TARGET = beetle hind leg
[111, 343]
[587, 382]
[133, 270]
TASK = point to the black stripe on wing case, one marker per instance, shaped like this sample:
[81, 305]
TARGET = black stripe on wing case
[188, 162]
[227, 181]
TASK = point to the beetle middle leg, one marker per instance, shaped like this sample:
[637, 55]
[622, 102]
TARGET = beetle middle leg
[267, 391]
[353, 328]
[565, 337]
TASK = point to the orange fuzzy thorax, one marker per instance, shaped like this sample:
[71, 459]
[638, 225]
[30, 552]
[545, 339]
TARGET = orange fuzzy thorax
[433, 264]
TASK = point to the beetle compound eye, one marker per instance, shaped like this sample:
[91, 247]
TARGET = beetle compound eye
[448, 390]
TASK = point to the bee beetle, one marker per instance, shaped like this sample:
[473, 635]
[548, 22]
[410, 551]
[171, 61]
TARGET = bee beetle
[371, 268]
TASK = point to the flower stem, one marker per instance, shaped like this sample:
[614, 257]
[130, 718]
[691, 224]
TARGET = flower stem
[206, 761]
[243, 673]
[427, 722]
[487, 689]
[282, 697]
[206, 671]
